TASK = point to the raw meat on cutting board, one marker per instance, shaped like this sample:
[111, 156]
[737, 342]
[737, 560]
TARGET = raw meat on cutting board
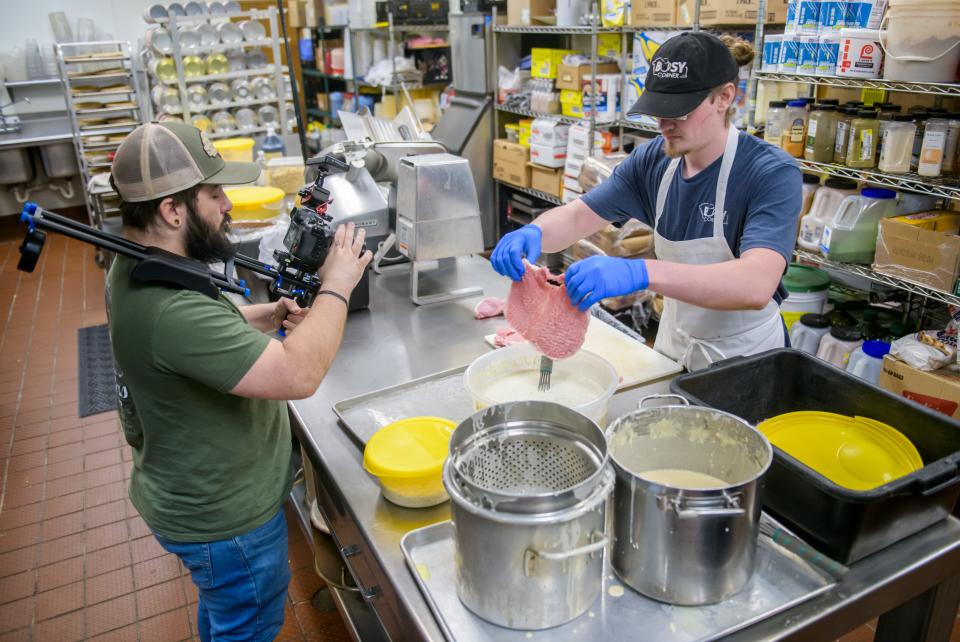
[507, 336]
[539, 309]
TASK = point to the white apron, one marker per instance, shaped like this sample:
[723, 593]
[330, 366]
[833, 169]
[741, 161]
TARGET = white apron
[697, 336]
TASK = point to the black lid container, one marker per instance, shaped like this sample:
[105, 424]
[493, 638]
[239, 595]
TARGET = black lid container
[844, 524]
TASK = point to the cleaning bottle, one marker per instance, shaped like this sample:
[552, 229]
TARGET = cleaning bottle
[272, 145]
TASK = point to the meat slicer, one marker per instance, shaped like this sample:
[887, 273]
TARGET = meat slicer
[413, 198]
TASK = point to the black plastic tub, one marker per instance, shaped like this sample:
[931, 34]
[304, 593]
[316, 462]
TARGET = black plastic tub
[844, 524]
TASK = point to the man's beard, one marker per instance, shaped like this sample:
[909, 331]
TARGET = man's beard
[671, 150]
[204, 242]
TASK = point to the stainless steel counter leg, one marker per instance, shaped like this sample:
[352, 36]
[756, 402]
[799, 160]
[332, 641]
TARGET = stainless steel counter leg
[929, 617]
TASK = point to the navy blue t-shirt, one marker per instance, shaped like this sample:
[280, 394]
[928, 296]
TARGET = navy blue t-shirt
[764, 196]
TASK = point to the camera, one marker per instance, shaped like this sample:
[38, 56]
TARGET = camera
[309, 236]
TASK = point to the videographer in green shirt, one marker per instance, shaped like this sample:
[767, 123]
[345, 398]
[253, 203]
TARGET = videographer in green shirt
[202, 387]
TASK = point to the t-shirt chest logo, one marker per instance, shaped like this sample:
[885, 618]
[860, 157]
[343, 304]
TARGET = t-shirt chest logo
[663, 68]
[708, 211]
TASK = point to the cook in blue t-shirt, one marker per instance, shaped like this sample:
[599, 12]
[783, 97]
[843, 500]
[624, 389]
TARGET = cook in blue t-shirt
[764, 195]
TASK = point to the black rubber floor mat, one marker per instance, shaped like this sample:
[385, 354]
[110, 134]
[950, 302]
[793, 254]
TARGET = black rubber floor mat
[98, 383]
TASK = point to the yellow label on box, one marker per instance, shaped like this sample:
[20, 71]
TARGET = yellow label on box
[571, 96]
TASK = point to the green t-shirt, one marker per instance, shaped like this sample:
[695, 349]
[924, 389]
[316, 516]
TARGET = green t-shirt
[207, 465]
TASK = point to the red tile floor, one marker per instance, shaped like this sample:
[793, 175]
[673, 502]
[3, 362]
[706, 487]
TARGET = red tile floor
[76, 561]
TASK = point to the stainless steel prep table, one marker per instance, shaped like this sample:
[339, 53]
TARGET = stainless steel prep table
[915, 583]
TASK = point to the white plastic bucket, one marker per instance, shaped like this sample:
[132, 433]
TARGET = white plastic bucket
[858, 55]
[922, 40]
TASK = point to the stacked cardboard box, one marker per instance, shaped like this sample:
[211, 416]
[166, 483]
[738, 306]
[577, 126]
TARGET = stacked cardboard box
[548, 152]
[916, 250]
[510, 163]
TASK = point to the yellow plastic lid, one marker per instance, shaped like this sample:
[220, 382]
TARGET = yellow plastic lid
[414, 447]
[233, 144]
[854, 452]
[253, 196]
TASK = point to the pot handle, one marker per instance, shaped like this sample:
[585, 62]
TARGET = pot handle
[683, 400]
[684, 510]
[531, 555]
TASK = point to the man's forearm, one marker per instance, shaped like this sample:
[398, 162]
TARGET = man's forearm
[565, 225]
[259, 315]
[312, 348]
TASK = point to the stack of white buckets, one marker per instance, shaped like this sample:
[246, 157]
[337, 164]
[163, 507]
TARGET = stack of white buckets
[922, 40]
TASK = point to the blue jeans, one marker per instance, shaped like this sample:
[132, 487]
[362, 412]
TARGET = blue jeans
[242, 582]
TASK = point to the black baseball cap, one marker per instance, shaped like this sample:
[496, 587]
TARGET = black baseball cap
[682, 73]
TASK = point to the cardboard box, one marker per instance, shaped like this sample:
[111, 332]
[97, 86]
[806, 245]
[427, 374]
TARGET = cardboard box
[546, 179]
[572, 183]
[510, 163]
[548, 132]
[525, 125]
[731, 12]
[571, 77]
[945, 221]
[544, 62]
[653, 12]
[548, 156]
[295, 13]
[913, 253]
[529, 12]
[939, 389]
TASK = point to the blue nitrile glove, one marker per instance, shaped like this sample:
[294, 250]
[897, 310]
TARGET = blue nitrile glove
[507, 257]
[597, 277]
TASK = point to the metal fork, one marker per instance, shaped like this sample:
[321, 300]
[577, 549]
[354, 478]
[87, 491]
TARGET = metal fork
[546, 369]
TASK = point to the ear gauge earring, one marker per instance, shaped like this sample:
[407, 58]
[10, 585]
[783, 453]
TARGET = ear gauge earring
[176, 221]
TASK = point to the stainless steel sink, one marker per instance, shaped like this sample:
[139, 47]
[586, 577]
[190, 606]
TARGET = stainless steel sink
[59, 160]
[15, 166]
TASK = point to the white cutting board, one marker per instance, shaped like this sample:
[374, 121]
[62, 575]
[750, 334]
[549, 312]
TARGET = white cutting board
[635, 362]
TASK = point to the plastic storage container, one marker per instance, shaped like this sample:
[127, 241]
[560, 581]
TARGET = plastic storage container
[407, 457]
[235, 150]
[866, 361]
[286, 173]
[897, 145]
[851, 235]
[922, 40]
[794, 131]
[821, 134]
[836, 346]
[933, 147]
[811, 183]
[807, 287]
[805, 335]
[272, 145]
[859, 55]
[776, 114]
[254, 205]
[512, 373]
[843, 134]
[825, 203]
[843, 524]
[863, 137]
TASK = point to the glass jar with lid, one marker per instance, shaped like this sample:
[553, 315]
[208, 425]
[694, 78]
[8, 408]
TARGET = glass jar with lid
[821, 133]
[241, 89]
[230, 33]
[263, 88]
[223, 122]
[862, 146]
[164, 70]
[794, 128]
[188, 38]
[208, 34]
[897, 145]
[236, 61]
[843, 134]
[167, 99]
[255, 59]
[219, 92]
[192, 67]
[246, 118]
[196, 95]
[776, 112]
[201, 122]
[217, 63]
[268, 116]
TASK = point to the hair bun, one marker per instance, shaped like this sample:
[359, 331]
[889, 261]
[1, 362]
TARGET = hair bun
[741, 50]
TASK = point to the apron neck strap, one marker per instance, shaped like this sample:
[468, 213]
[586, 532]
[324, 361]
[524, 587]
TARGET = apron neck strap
[720, 200]
[729, 152]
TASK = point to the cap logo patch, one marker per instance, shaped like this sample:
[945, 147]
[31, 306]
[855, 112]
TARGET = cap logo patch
[208, 146]
[663, 68]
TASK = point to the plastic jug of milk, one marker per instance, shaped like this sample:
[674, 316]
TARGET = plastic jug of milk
[836, 346]
[851, 236]
[805, 334]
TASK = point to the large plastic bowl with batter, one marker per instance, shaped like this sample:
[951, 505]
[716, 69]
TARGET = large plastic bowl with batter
[584, 382]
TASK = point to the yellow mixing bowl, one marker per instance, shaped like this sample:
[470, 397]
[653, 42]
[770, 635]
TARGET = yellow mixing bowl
[407, 456]
[854, 452]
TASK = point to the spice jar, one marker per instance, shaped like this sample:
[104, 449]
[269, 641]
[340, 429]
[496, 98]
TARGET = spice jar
[862, 146]
[794, 128]
[843, 134]
[776, 113]
[821, 134]
[897, 145]
[932, 147]
[951, 148]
